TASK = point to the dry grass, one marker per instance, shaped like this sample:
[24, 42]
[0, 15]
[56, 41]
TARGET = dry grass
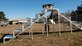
[66, 38]
[8, 29]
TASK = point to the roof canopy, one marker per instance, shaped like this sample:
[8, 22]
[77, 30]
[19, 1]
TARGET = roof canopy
[47, 5]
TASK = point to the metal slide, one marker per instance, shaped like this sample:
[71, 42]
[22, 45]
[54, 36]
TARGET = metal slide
[78, 26]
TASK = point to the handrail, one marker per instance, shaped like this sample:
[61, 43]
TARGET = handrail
[28, 26]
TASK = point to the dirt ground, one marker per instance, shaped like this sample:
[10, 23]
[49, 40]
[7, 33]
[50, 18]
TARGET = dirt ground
[54, 39]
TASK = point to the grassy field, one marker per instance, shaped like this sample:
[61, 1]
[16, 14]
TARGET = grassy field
[54, 39]
[66, 39]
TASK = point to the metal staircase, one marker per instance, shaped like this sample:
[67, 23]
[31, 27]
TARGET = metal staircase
[42, 15]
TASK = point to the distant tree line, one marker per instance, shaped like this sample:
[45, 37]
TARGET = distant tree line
[2, 16]
[77, 14]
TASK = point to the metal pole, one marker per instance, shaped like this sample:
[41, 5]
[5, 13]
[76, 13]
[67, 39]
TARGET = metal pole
[46, 21]
[3, 40]
[13, 34]
[53, 20]
[59, 23]
[71, 25]
[47, 26]
[23, 27]
[29, 33]
[43, 28]
[31, 30]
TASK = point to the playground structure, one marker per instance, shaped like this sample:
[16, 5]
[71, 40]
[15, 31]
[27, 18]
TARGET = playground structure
[43, 15]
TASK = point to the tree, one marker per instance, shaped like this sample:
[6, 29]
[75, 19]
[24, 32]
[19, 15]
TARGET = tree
[79, 8]
[77, 14]
[2, 16]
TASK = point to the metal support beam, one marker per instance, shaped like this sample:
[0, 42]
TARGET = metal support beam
[46, 22]
[43, 28]
[71, 25]
[31, 29]
[3, 40]
[29, 33]
[13, 34]
[59, 23]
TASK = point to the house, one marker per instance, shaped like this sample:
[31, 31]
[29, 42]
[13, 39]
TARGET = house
[20, 20]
